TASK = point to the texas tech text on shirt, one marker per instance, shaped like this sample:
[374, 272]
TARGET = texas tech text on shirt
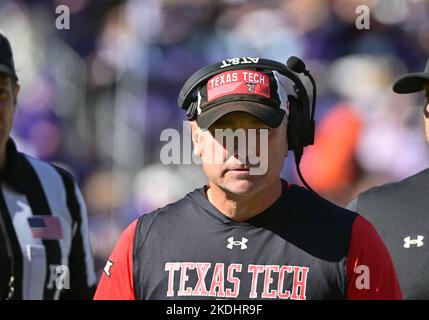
[267, 281]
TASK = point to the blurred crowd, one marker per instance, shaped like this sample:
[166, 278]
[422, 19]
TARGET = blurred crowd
[95, 98]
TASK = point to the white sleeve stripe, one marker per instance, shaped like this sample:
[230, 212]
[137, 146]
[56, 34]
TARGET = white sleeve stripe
[90, 274]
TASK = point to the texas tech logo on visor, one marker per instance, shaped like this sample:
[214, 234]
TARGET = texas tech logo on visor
[238, 82]
[251, 86]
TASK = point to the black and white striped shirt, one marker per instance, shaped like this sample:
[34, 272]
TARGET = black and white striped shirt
[34, 192]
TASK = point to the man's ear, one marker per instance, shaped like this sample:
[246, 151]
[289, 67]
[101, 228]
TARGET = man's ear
[196, 138]
[16, 89]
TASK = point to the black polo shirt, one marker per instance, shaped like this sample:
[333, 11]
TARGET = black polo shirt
[301, 247]
[400, 212]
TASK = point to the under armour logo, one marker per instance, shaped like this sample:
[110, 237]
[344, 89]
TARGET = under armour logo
[232, 243]
[418, 242]
[251, 86]
[109, 264]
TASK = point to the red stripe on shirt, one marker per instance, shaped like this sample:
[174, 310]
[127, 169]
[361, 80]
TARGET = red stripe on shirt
[370, 271]
[119, 284]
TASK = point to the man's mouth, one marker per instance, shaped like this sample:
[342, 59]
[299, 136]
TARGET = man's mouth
[238, 171]
[245, 168]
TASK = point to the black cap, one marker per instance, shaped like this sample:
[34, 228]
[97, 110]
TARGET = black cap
[6, 57]
[259, 93]
[412, 82]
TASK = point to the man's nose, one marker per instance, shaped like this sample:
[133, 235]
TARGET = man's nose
[248, 149]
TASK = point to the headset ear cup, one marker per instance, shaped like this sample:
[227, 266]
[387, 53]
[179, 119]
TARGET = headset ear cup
[294, 124]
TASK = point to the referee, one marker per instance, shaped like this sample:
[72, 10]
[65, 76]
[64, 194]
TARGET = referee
[399, 210]
[44, 246]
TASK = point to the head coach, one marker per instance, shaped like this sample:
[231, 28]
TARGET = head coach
[249, 235]
[399, 210]
[44, 245]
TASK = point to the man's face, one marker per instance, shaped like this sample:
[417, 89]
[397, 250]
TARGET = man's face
[234, 173]
[8, 93]
[426, 111]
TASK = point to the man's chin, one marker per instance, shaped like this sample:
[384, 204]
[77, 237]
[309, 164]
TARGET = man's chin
[242, 186]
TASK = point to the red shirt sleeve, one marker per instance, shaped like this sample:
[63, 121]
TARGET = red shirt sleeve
[116, 282]
[370, 271]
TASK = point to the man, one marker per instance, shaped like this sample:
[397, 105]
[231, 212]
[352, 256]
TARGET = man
[244, 235]
[44, 246]
[399, 210]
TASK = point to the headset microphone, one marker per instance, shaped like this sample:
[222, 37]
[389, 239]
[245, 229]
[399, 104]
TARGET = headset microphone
[296, 64]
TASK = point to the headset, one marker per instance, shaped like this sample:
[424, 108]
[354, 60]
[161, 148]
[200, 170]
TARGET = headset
[301, 124]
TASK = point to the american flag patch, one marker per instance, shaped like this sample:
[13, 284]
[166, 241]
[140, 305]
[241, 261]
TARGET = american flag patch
[45, 227]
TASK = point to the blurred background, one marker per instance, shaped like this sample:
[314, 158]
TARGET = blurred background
[95, 98]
